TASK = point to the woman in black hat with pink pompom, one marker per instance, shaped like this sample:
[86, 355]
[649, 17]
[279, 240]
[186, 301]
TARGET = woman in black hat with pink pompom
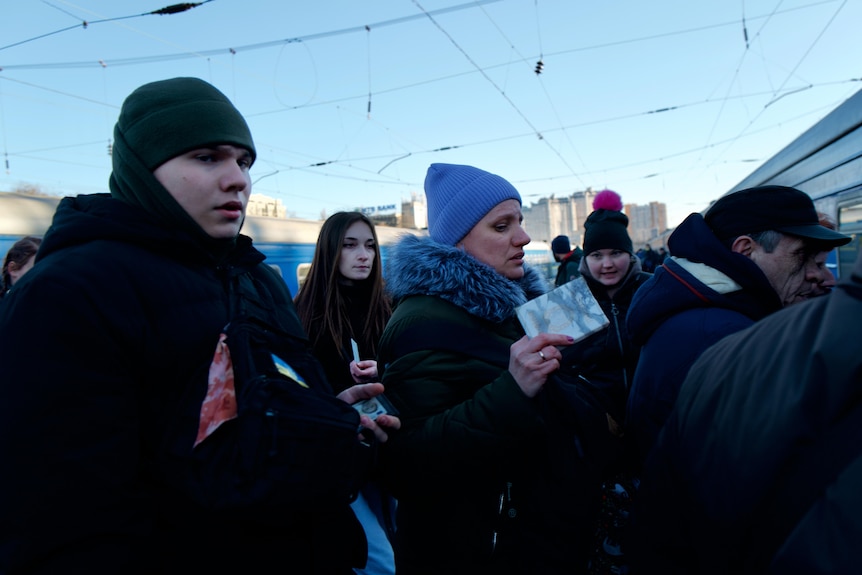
[607, 359]
[613, 273]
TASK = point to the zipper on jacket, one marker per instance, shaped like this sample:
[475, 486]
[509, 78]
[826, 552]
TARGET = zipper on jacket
[499, 513]
[505, 502]
[616, 312]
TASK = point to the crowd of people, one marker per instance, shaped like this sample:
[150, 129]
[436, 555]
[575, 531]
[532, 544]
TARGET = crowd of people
[152, 363]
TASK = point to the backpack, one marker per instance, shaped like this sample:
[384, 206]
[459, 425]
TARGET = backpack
[271, 437]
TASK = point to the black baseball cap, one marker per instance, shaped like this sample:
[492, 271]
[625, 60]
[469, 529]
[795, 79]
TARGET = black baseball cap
[780, 208]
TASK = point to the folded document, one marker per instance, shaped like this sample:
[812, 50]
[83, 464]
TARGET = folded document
[570, 309]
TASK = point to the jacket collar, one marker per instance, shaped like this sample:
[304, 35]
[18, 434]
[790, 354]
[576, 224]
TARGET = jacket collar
[421, 266]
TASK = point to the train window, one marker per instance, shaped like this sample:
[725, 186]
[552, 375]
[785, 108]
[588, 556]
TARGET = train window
[850, 223]
[302, 273]
[851, 215]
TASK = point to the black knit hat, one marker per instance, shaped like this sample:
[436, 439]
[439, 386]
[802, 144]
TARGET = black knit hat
[164, 119]
[561, 245]
[605, 228]
[763, 208]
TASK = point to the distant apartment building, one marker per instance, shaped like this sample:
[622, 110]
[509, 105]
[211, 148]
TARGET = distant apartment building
[414, 213]
[646, 222]
[260, 205]
[550, 217]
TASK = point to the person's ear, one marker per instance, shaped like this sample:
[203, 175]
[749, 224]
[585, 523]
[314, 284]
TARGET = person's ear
[743, 245]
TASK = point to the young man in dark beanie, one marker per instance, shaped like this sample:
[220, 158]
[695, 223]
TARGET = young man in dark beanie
[111, 344]
[752, 253]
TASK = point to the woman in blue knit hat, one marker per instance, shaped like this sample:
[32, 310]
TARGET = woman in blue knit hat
[467, 383]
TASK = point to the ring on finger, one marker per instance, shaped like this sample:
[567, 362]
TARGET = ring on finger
[542, 355]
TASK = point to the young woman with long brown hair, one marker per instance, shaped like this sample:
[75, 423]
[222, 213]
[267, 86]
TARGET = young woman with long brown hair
[343, 299]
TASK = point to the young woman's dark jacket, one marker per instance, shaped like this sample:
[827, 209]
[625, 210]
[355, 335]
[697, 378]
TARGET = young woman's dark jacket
[335, 357]
[468, 462]
[144, 305]
[697, 297]
[607, 359]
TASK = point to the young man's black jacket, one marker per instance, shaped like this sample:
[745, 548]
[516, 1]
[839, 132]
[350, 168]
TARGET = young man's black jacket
[107, 333]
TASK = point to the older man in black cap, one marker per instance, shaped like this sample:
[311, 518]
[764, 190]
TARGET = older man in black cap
[758, 467]
[752, 253]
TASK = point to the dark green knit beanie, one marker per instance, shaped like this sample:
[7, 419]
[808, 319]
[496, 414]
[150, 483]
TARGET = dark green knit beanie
[160, 121]
[164, 119]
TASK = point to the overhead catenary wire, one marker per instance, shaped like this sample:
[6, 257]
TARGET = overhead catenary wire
[420, 149]
[172, 9]
[3, 129]
[368, 48]
[540, 65]
[244, 48]
[787, 78]
[502, 93]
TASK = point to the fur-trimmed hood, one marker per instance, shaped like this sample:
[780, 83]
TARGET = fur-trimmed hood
[421, 266]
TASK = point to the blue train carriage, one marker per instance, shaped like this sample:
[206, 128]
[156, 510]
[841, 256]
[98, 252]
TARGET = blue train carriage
[287, 243]
[826, 163]
[540, 257]
[24, 215]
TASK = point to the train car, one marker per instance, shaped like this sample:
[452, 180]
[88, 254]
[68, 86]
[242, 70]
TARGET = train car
[539, 256]
[826, 163]
[287, 243]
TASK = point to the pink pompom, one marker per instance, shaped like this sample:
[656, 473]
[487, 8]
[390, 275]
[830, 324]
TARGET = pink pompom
[608, 200]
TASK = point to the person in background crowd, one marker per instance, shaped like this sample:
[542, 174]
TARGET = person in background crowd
[608, 359]
[649, 259]
[758, 467]
[568, 259]
[662, 255]
[344, 301]
[18, 261]
[128, 300]
[467, 383]
[753, 252]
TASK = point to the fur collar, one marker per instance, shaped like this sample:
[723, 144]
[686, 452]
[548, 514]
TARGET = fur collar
[421, 266]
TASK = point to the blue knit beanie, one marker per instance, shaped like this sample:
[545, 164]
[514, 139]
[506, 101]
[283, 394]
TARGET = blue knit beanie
[459, 196]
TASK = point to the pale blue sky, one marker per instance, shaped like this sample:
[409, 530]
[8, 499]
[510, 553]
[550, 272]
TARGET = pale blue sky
[448, 81]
